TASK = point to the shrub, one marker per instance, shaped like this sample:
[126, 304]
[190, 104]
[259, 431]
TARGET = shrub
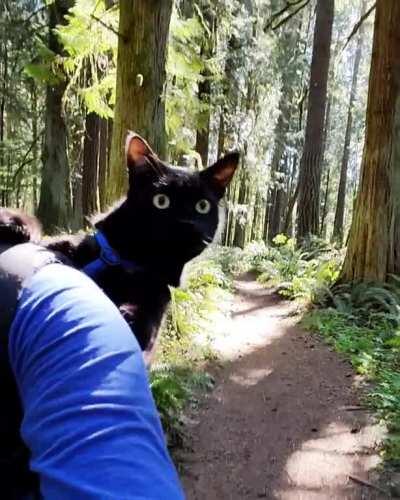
[373, 348]
[178, 372]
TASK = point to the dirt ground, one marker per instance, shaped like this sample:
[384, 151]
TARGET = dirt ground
[284, 421]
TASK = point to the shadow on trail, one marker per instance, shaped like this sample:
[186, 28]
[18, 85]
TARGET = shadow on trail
[281, 421]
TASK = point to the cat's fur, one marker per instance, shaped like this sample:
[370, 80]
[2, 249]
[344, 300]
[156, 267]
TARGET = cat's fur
[160, 241]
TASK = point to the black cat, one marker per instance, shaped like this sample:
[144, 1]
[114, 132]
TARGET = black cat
[170, 215]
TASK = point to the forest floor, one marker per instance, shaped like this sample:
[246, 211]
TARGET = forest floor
[285, 419]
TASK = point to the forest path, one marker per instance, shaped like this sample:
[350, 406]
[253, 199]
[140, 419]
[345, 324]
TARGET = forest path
[280, 423]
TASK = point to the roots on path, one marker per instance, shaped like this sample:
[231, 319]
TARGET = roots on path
[284, 419]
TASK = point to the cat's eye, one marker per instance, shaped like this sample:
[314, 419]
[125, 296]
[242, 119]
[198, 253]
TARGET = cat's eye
[161, 201]
[203, 206]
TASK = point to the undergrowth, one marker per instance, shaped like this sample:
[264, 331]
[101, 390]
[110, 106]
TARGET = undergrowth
[372, 344]
[305, 273]
[360, 320]
[178, 374]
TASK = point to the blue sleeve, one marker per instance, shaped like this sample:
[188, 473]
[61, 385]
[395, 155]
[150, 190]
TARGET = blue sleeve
[89, 417]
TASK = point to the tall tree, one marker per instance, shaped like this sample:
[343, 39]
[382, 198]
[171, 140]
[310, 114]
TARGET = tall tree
[337, 234]
[90, 170]
[374, 241]
[310, 167]
[141, 76]
[204, 91]
[55, 205]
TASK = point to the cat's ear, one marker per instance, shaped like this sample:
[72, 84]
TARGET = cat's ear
[219, 175]
[136, 149]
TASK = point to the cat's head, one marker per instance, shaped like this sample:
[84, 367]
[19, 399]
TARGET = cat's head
[171, 214]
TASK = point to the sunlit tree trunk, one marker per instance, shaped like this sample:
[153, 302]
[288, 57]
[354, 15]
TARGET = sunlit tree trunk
[374, 241]
[141, 77]
[337, 235]
[310, 167]
[55, 205]
[204, 91]
[240, 224]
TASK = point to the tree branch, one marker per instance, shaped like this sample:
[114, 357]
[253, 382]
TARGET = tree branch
[25, 160]
[287, 18]
[288, 6]
[358, 25]
[38, 11]
[110, 28]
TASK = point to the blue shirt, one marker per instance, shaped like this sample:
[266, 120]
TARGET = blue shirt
[89, 417]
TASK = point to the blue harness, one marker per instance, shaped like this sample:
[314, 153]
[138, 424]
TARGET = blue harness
[108, 258]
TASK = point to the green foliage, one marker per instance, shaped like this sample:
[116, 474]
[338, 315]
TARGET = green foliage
[173, 388]
[373, 346]
[368, 301]
[184, 346]
[229, 259]
[90, 43]
[298, 273]
[184, 68]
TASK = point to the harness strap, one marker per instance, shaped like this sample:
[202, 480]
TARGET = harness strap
[108, 258]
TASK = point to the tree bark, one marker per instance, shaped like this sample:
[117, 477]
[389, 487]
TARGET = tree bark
[204, 91]
[310, 166]
[240, 229]
[105, 136]
[141, 77]
[278, 171]
[90, 171]
[203, 131]
[55, 205]
[337, 235]
[35, 147]
[374, 241]
[3, 119]
[326, 166]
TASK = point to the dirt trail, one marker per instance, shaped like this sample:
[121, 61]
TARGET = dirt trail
[279, 424]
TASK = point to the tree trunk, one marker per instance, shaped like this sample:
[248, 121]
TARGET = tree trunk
[104, 159]
[278, 171]
[310, 167]
[337, 235]
[3, 120]
[239, 226]
[325, 203]
[55, 205]
[90, 171]
[203, 130]
[326, 167]
[141, 77]
[204, 92]
[374, 241]
[35, 147]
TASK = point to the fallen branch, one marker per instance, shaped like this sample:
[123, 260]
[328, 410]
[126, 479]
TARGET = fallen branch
[354, 408]
[364, 482]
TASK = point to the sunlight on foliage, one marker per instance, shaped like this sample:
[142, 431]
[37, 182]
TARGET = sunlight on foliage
[373, 346]
[90, 62]
[184, 346]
